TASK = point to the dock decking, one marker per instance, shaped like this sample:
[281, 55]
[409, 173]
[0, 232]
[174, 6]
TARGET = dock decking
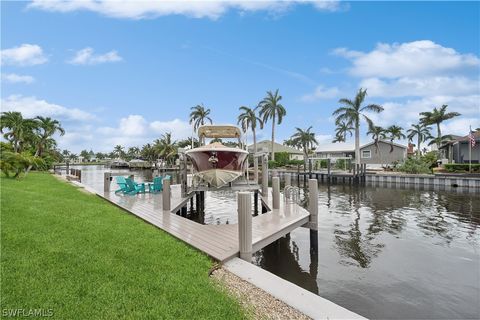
[218, 241]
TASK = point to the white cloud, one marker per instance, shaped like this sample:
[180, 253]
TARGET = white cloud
[411, 59]
[87, 56]
[321, 92]
[24, 55]
[31, 107]
[420, 87]
[406, 113]
[16, 78]
[194, 8]
[135, 130]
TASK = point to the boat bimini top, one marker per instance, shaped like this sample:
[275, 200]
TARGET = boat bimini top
[219, 131]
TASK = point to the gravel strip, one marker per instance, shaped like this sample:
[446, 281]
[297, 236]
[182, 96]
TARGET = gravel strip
[259, 303]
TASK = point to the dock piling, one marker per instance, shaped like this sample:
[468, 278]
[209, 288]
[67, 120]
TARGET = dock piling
[288, 179]
[107, 176]
[244, 207]
[276, 192]
[313, 203]
[265, 176]
[166, 195]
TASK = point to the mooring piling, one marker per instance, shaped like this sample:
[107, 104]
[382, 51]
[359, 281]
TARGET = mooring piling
[244, 208]
[288, 179]
[107, 177]
[265, 176]
[166, 195]
[276, 192]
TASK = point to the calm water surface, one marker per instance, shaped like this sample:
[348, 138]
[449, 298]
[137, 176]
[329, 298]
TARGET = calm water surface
[383, 252]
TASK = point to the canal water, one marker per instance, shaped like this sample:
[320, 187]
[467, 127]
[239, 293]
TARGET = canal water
[382, 251]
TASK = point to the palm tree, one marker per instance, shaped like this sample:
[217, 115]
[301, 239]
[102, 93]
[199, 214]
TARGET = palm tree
[21, 129]
[436, 117]
[165, 147]
[422, 132]
[377, 134]
[199, 116]
[394, 132]
[341, 131]
[248, 119]
[270, 108]
[46, 128]
[118, 151]
[352, 112]
[306, 140]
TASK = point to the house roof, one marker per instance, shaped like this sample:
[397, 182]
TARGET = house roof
[336, 147]
[456, 138]
[349, 147]
[277, 147]
[387, 142]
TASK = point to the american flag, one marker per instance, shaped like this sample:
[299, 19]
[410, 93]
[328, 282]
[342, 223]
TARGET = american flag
[471, 137]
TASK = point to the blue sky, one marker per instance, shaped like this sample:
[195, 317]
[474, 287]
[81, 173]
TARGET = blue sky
[125, 73]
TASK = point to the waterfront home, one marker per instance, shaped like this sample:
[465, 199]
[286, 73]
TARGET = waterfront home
[266, 146]
[457, 150]
[369, 153]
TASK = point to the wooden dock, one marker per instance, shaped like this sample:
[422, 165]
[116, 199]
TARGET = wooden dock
[218, 241]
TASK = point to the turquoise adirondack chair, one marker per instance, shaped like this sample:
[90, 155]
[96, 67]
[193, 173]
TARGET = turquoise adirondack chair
[156, 186]
[122, 184]
[133, 187]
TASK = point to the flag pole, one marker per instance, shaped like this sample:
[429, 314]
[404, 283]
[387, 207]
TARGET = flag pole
[470, 150]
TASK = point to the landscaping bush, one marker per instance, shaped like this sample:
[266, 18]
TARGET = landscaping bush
[272, 164]
[414, 165]
[295, 162]
[341, 164]
[462, 167]
[281, 158]
[430, 158]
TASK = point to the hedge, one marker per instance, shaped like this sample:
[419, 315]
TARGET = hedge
[461, 167]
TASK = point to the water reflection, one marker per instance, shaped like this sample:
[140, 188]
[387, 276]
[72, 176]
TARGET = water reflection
[388, 252]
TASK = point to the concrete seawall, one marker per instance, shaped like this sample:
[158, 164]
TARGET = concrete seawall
[426, 180]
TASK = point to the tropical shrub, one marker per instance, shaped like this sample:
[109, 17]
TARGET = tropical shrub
[12, 163]
[341, 164]
[430, 158]
[295, 162]
[282, 158]
[272, 164]
[414, 165]
[462, 167]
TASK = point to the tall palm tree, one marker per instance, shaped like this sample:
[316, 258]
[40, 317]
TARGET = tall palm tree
[46, 128]
[305, 139]
[271, 108]
[343, 128]
[199, 116]
[166, 147]
[118, 151]
[378, 133]
[248, 119]
[352, 112]
[436, 117]
[422, 132]
[393, 133]
[20, 129]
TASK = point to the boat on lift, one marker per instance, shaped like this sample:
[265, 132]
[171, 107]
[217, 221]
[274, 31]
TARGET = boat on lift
[216, 163]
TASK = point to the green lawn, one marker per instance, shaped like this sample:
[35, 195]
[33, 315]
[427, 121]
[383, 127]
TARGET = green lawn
[72, 252]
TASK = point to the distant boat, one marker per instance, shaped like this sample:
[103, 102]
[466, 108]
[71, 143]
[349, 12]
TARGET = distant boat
[139, 164]
[215, 163]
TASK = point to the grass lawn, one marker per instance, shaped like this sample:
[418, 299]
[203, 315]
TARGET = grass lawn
[72, 252]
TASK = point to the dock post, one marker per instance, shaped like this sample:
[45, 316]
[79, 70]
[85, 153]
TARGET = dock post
[166, 195]
[313, 203]
[288, 179]
[265, 176]
[255, 168]
[354, 173]
[255, 203]
[106, 181]
[276, 192]
[244, 207]
[329, 168]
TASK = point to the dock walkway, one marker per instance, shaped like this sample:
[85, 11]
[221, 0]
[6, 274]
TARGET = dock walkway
[218, 241]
